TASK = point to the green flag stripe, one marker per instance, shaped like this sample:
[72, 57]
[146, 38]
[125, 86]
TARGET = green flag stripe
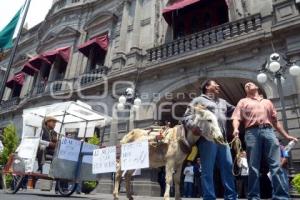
[7, 33]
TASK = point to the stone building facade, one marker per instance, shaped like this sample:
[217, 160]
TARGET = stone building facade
[165, 53]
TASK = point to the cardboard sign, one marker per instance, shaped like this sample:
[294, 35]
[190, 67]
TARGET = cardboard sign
[135, 155]
[69, 149]
[104, 160]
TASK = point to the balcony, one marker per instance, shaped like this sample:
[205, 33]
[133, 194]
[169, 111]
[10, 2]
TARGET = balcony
[50, 87]
[93, 76]
[9, 104]
[40, 89]
[206, 38]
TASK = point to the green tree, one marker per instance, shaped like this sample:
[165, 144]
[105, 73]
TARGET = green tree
[94, 140]
[10, 143]
[296, 182]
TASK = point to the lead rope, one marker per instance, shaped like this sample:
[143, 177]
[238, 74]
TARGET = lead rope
[236, 145]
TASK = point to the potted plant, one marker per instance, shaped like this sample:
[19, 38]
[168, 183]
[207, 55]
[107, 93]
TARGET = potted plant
[88, 186]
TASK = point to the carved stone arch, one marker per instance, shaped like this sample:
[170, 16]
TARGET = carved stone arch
[100, 18]
[228, 75]
[53, 37]
[68, 31]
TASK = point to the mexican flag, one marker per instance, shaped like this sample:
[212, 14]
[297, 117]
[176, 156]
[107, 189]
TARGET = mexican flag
[7, 33]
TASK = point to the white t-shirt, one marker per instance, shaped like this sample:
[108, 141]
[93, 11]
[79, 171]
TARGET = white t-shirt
[189, 174]
[243, 164]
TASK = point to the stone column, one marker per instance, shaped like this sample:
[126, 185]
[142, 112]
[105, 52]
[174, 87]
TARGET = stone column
[119, 60]
[113, 135]
[135, 36]
[80, 59]
[124, 27]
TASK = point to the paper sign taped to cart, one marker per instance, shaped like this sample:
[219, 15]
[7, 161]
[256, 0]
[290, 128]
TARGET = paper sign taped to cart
[69, 149]
[135, 155]
[104, 160]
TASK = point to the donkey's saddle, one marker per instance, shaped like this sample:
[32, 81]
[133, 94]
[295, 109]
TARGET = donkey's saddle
[157, 134]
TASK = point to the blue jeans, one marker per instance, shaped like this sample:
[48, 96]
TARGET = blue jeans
[209, 154]
[188, 189]
[263, 142]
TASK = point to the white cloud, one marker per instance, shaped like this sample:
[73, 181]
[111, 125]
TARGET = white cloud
[37, 11]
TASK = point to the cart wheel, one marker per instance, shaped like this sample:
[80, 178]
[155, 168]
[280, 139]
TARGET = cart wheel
[66, 188]
[11, 183]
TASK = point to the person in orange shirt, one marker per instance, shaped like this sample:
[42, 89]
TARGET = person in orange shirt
[259, 117]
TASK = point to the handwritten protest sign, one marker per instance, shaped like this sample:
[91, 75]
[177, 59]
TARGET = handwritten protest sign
[135, 155]
[69, 149]
[104, 160]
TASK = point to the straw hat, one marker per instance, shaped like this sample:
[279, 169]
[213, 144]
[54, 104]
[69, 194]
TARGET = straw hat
[49, 118]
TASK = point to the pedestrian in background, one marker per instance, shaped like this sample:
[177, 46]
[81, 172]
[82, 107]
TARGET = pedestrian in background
[161, 179]
[197, 179]
[188, 179]
[242, 180]
[284, 164]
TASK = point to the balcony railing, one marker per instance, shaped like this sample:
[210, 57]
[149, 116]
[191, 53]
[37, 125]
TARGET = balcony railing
[93, 76]
[40, 89]
[52, 86]
[9, 104]
[205, 38]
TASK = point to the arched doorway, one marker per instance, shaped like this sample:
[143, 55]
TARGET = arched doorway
[173, 107]
[232, 90]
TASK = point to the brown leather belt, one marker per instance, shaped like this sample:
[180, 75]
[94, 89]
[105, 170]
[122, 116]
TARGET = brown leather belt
[260, 126]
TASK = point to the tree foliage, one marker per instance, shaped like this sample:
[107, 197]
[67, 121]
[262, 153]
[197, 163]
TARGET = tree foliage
[296, 182]
[94, 140]
[10, 143]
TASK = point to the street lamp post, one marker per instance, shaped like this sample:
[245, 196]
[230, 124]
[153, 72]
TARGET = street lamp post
[128, 100]
[276, 70]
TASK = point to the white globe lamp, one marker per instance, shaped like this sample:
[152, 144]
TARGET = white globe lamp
[122, 99]
[137, 101]
[274, 66]
[120, 106]
[262, 77]
[295, 70]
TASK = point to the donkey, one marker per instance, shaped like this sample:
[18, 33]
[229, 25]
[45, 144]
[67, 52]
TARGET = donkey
[171, 154]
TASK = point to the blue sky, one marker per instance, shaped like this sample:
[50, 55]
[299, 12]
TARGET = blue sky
[37, 11]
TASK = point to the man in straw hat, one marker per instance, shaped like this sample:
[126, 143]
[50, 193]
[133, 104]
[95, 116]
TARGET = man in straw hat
[50, 137]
